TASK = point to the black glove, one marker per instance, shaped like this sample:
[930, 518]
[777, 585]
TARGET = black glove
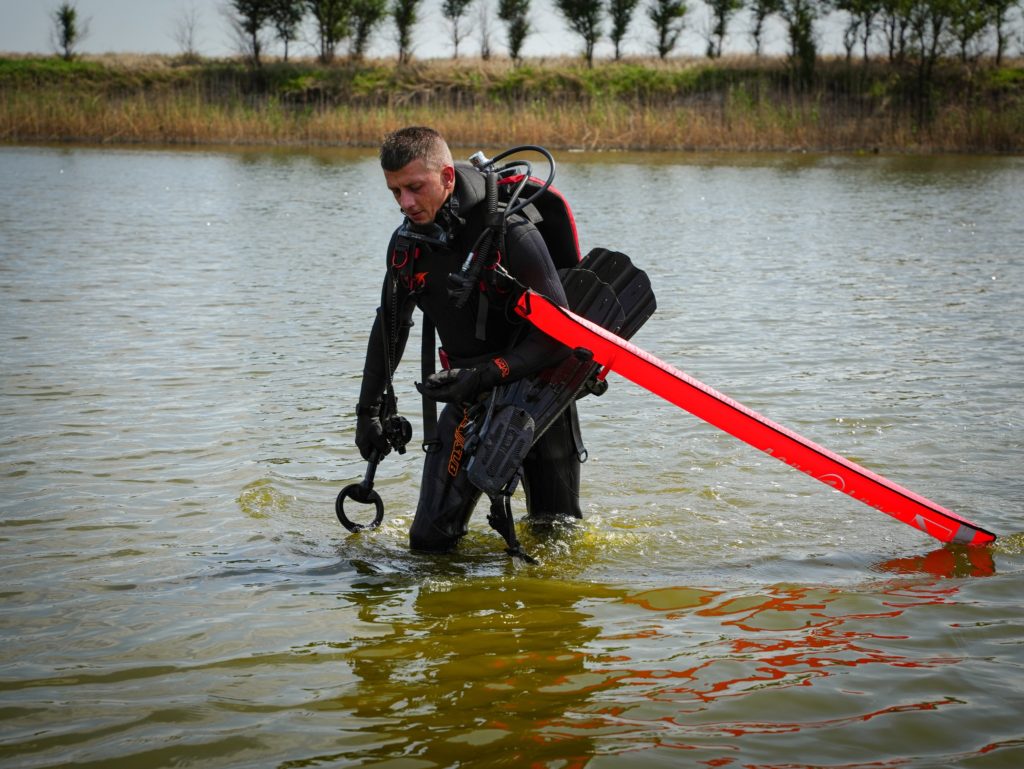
[460, 385]
[370, 436]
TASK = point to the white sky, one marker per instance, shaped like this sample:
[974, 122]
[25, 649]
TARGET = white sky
[147, 26]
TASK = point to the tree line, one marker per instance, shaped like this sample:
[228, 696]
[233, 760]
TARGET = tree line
[922, 31]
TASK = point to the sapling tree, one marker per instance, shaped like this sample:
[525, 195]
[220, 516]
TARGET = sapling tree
[1000, 10]
[721, 12]
[185, 33]
[367, 15]
[583, 18]
[251, 16]
[405, 14]
[799, 17]
[331, 18]
[760, 10]
[483, 18]
[861, 24]
[68, 30]
[669, 18]
[285, 17]
[620, 13]
[515, 14]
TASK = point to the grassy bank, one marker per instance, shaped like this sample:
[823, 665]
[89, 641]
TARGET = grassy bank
[738, 104]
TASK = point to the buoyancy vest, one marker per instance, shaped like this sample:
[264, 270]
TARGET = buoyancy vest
[550, 213]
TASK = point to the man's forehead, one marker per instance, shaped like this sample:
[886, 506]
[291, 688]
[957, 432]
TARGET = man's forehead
[415, 170]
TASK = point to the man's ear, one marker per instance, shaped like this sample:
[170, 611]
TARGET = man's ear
[448, 177]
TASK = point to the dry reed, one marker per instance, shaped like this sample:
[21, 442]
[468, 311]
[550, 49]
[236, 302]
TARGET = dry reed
[151, 102]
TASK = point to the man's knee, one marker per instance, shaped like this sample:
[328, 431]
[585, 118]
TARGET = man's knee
[425, 537]
[442, 515]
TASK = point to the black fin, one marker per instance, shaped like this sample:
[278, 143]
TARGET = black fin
[506, 436]
[631, 286]
[606, 289]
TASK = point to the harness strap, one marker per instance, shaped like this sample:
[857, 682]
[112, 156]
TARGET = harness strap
[501, 520]
[577, 436]
[431, 442]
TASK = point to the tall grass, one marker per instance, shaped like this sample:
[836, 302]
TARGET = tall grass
[735, 105]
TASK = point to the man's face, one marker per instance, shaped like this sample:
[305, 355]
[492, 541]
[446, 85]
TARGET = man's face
[419, 191]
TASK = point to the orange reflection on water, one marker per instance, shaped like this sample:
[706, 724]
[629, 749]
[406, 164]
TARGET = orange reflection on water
[782, 636]
[946, 562]
[799, 633]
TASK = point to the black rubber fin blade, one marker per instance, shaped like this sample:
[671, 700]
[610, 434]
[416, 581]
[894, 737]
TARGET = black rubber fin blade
[630, 285]
[607, 289]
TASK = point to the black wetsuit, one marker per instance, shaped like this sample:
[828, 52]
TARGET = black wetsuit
[419, 278]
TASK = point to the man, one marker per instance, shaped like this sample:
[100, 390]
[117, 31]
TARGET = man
[483, 342]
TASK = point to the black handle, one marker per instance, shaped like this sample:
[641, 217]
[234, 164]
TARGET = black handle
[364, 494]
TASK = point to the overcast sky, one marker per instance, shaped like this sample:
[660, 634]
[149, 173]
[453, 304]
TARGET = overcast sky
[148, 26]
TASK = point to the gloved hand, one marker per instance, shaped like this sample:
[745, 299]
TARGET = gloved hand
[460, 385]
[370, 436]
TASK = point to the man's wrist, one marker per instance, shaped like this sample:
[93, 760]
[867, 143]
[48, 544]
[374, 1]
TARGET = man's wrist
[367, 411]
[502, 367]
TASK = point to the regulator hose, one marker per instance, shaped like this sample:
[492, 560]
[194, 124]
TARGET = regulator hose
[494, 222]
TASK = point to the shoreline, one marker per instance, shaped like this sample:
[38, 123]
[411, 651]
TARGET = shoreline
[685, 106]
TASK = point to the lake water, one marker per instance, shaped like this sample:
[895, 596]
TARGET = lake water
[182, 336]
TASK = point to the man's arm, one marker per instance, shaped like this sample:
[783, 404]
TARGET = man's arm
[375, 373]
[370, 434]
[531, 266]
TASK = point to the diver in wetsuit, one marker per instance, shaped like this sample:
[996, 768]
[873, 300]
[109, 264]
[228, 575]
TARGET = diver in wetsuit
[483, 342]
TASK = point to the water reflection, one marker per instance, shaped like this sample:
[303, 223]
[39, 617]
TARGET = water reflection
[446, 664]
[740, 656]
[946, 562]
[443, 668]
[180, 361]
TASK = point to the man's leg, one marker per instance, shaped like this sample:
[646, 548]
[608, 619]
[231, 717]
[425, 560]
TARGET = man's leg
[551, 471]
[447, 498]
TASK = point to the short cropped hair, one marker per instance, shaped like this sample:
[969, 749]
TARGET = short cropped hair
[411, 143]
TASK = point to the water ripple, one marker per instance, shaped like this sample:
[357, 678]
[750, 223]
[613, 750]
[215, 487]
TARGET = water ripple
[182, 336]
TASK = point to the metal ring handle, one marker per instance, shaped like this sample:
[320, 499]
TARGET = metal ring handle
[364, 495]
